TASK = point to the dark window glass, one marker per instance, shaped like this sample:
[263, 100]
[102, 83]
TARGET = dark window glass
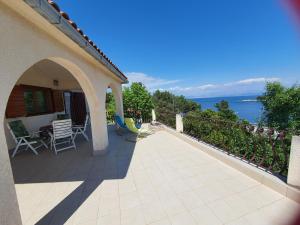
[36, 101]
[41, 102]
[28, 97]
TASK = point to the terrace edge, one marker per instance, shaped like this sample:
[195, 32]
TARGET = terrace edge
[244, 167]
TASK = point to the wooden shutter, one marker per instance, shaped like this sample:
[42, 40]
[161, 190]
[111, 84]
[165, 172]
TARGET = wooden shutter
[16, 105]
[58, 101]
[48, 96]
[78, 108]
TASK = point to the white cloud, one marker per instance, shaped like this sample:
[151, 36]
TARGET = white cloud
[206, 86]
[149, 81]
[240, 87]
[257, 80]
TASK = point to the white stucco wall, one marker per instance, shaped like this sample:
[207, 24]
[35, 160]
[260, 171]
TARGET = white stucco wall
[43, 73]
[26, 39]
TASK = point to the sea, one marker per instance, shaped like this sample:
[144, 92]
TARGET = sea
[245, 107]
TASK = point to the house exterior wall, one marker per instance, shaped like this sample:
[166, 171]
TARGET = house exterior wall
[38, 78]
[26, 39]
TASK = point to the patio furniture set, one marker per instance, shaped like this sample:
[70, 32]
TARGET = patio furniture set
[59, 135]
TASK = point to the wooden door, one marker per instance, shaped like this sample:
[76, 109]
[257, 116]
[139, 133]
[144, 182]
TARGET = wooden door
[78, 108]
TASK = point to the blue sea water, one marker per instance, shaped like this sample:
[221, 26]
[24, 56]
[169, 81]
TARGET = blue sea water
[246, 107]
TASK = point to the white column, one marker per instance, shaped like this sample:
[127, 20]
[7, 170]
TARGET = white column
[98, 121]
[118, 95]
[9, 208]
[179, 123]
[153, 115]
[294, 163]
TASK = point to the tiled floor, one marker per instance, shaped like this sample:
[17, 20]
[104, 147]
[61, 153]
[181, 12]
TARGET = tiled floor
[160, 180]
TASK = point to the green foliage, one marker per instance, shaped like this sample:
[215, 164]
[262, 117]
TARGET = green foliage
[167, 105]
[177, 104]
[281, 106]
[137, 101]
[110, 107]
[225, 112]
[240, 139]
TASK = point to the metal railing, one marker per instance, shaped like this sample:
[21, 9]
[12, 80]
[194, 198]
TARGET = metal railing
[166, 117]
[264, 147]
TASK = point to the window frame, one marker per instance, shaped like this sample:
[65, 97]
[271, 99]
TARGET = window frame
[45, 91]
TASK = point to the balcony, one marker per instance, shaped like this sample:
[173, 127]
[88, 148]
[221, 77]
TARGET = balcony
[160, 179]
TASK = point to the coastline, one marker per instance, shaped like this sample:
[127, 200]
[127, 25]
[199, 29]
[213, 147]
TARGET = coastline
[245, 107]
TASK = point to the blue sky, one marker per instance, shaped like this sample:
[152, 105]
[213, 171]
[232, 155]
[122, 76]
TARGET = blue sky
[198, 48]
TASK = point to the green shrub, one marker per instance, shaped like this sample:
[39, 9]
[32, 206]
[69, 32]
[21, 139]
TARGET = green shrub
[262, 148]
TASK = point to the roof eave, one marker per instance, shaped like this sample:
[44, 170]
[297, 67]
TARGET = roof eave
[55, 18]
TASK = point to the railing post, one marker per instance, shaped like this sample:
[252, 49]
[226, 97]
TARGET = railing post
[179, 123]
[294, 163]
[153, 116]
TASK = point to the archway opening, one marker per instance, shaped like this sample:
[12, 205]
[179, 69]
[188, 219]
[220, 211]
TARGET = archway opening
[110, 105]
[44, 93]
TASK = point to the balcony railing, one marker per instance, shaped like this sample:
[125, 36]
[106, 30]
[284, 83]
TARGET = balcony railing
[264, 147]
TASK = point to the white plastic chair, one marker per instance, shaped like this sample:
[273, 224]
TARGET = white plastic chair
[22, 137]
[62, 134]
[78, 129]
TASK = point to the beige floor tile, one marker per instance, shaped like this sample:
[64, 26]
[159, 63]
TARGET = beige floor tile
[108, 204]
[129, 200]
[85, 221]
[113, 218]
[162, 222]
[223, 211]
[153, 212]
[190, 200]
[173, 206]
[241, 221]
[259, 196]
[206, 194]
[148, 196]
[257, 218]
[182, 219]
[126, 186]
[86, 213]
[239, 205]
[132, 216]
[204, 216]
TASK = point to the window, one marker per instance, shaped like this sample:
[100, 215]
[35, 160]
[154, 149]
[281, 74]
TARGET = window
[37, 100]
[26, 100]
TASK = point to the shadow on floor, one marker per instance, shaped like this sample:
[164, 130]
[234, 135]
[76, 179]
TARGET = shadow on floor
[74, 165]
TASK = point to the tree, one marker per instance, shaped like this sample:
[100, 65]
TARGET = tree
[167, 105]
[110, 106]
[225, 112]
[281, 106]
[173, 103]
[185, 105]
[137, 101]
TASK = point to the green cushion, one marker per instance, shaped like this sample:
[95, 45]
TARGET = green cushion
[18, 128]
[63, 116]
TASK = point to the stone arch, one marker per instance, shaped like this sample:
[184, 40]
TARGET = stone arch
[95, 100]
